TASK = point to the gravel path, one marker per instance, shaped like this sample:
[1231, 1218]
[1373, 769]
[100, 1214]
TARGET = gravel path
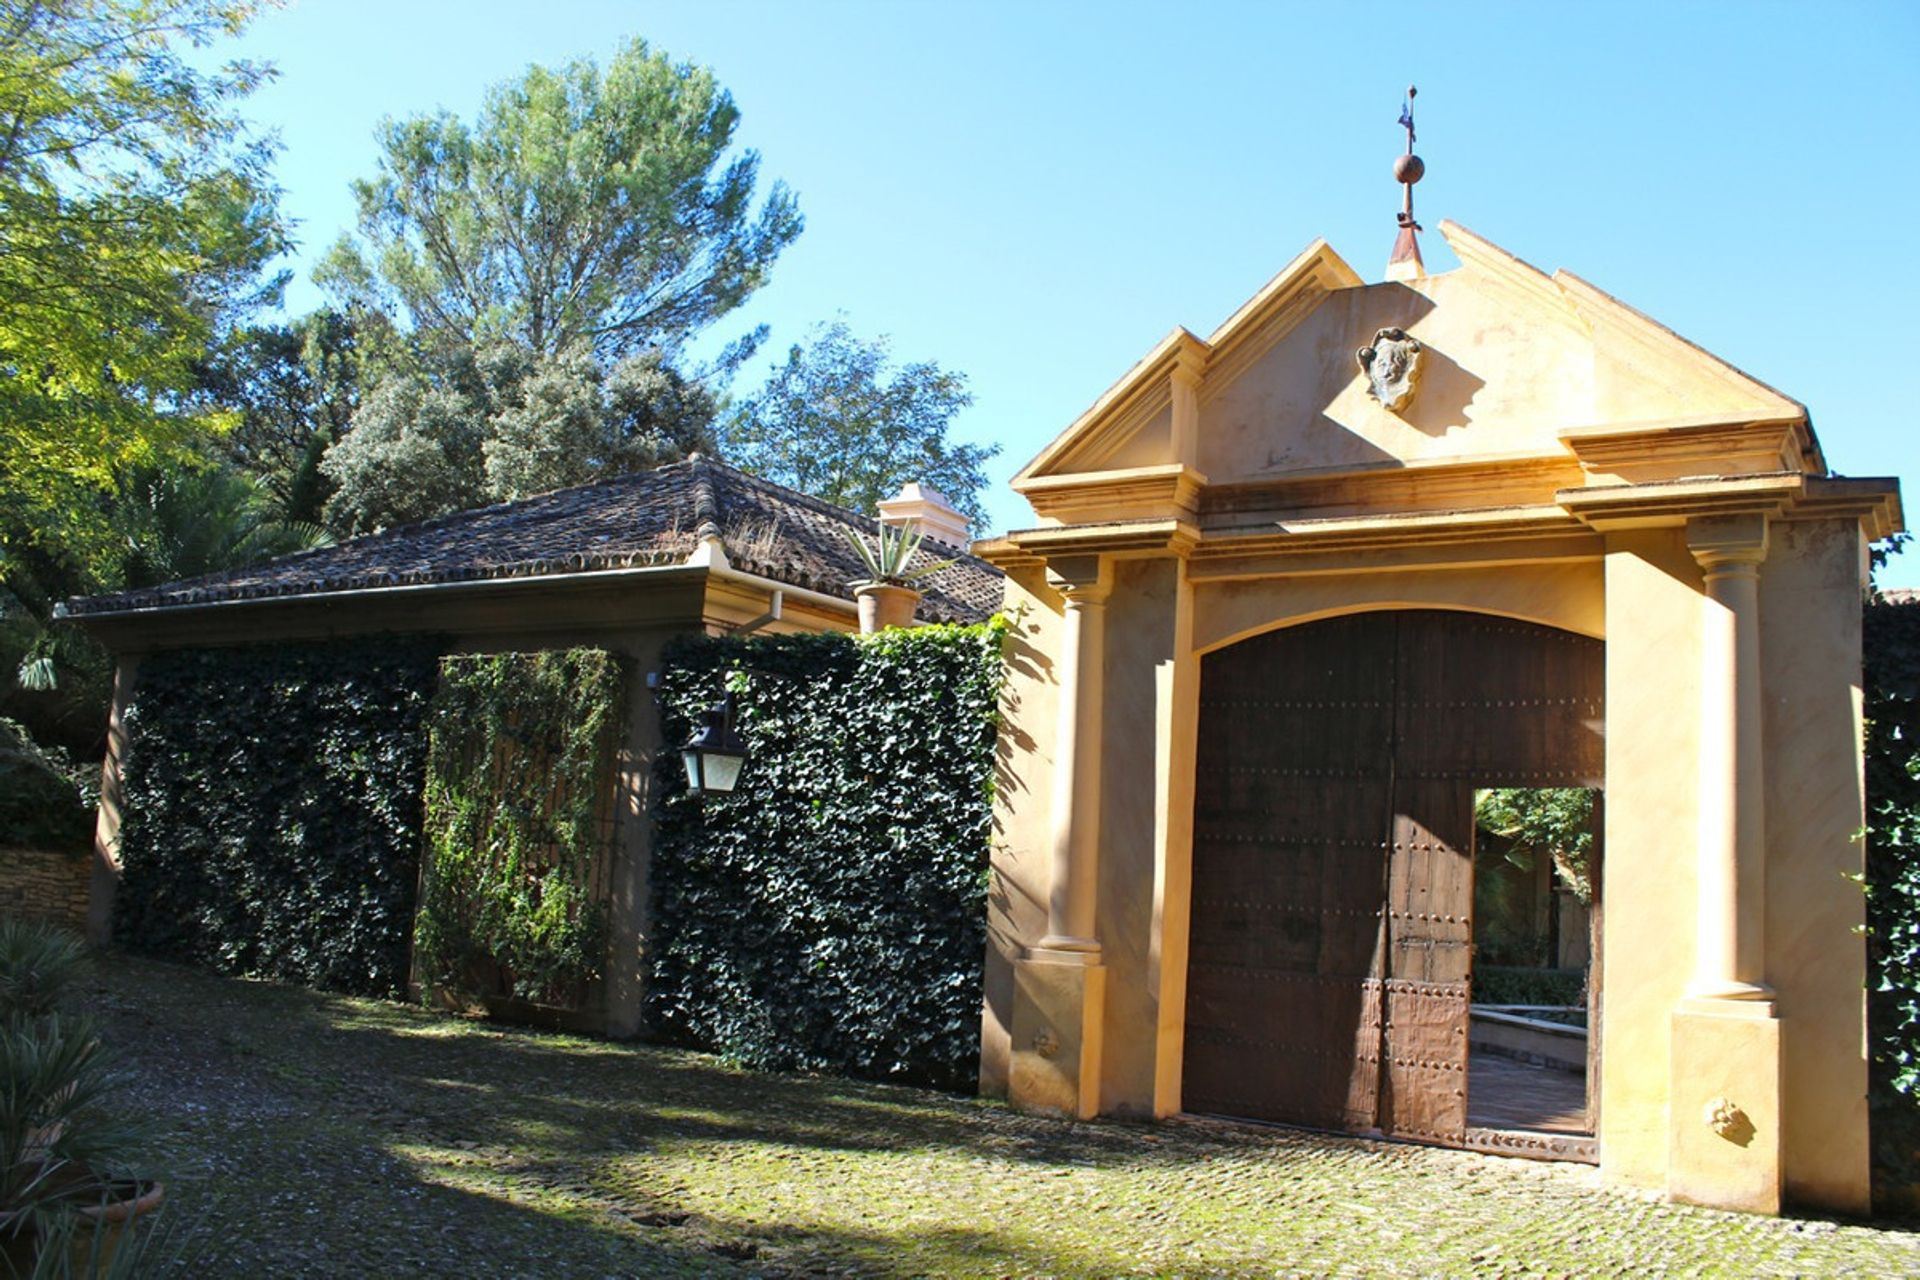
[313, 1135]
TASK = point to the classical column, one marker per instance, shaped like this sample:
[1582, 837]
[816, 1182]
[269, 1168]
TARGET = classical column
[1073, 899]
[1730, 956]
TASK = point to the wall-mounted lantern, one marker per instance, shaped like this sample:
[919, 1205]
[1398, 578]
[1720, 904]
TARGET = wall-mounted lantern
[715, 755]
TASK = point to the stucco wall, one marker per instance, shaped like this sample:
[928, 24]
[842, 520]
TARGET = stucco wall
[1653, 692]
[1568, 595]
[1810, 589]
[1143, 647]
[1303, 405]
[1023, 782]
[1810, 656]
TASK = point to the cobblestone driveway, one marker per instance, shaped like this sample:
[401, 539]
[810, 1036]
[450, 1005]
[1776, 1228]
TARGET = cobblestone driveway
[314, 1135]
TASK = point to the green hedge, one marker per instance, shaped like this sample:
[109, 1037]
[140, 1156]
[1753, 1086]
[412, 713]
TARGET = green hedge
[1892, 645]
[273, 810]
[518, 818]
[830, 914]
[1525, 984]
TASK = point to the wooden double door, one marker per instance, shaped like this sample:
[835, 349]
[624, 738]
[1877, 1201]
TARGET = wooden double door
[1331, 937]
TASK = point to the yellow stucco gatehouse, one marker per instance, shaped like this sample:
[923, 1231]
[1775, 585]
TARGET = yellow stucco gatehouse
[1294, 592]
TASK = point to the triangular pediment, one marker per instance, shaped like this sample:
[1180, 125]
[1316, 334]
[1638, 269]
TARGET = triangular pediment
[1131, 423]
[1517, 366]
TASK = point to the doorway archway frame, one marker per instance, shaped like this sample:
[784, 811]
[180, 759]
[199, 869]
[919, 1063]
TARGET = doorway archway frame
[1102, 1032]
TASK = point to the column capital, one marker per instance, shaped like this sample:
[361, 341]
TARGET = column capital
[1082, 579]
[1720, 541]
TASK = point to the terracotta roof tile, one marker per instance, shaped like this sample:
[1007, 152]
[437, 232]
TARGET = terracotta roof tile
[645, 518]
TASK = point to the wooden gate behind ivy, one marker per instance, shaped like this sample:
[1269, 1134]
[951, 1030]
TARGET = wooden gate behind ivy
[520, 799]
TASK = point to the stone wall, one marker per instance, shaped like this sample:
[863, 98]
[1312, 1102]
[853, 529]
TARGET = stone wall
[46, 885]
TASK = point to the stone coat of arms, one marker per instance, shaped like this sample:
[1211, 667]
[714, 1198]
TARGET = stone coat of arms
[1392, 365]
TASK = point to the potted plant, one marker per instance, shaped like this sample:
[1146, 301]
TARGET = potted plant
[884, 597]
[65, 1206]
[60, 1148]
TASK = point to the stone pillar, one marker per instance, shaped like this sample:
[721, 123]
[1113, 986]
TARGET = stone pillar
[1725, 1107]
[1060, 986]
[630, 873]
[106, 831]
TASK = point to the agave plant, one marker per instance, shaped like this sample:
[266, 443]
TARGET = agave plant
[887, 560]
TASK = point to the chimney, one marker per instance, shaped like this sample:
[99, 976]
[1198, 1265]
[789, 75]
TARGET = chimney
[927, 507]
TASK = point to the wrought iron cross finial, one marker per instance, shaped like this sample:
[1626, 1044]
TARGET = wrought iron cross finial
[1408, 169]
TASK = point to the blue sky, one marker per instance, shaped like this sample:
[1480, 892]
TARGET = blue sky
[1035, 193]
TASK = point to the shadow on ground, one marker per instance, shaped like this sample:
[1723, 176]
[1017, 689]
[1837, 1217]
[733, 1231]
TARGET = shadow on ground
[319, 1135]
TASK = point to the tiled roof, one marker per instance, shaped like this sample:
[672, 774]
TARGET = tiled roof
[647, 518]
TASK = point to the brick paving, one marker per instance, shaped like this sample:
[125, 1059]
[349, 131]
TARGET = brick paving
[320, 1136]
[1503, 1093]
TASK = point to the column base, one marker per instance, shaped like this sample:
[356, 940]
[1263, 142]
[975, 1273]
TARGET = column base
[1059, 948]
[1058, 1002]
[1724, 1105]
[1715, 991]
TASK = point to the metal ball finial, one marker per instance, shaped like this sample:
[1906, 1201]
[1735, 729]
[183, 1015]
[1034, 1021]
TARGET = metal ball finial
[1407, 170]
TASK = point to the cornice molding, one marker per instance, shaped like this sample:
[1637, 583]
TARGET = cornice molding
[1169, 490]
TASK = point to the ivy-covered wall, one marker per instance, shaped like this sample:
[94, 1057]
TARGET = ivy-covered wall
[830, 914]
[273, 809]
[519, 824]
[1892, 652]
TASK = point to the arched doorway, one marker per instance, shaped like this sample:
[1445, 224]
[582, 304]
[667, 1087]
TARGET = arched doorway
[1332, 920]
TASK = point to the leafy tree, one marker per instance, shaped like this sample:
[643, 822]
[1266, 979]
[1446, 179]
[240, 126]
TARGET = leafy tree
[1555, 822]
[570, 424]
[293, 389]
[46, 797]
[415, 450]
[498, 422]
[585, 208]
[135, 218]
[836, 420]
[53, 679]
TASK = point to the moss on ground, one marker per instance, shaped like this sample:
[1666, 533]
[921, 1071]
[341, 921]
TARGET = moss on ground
[316, 1135]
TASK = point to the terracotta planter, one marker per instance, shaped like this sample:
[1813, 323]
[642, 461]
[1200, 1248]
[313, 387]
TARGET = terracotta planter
[884, 604]
[97, 1235]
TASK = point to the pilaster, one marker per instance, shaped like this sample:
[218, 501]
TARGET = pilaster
[1725, 1114]
[1084, 582]
[1060, 985]
[1730, 949]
